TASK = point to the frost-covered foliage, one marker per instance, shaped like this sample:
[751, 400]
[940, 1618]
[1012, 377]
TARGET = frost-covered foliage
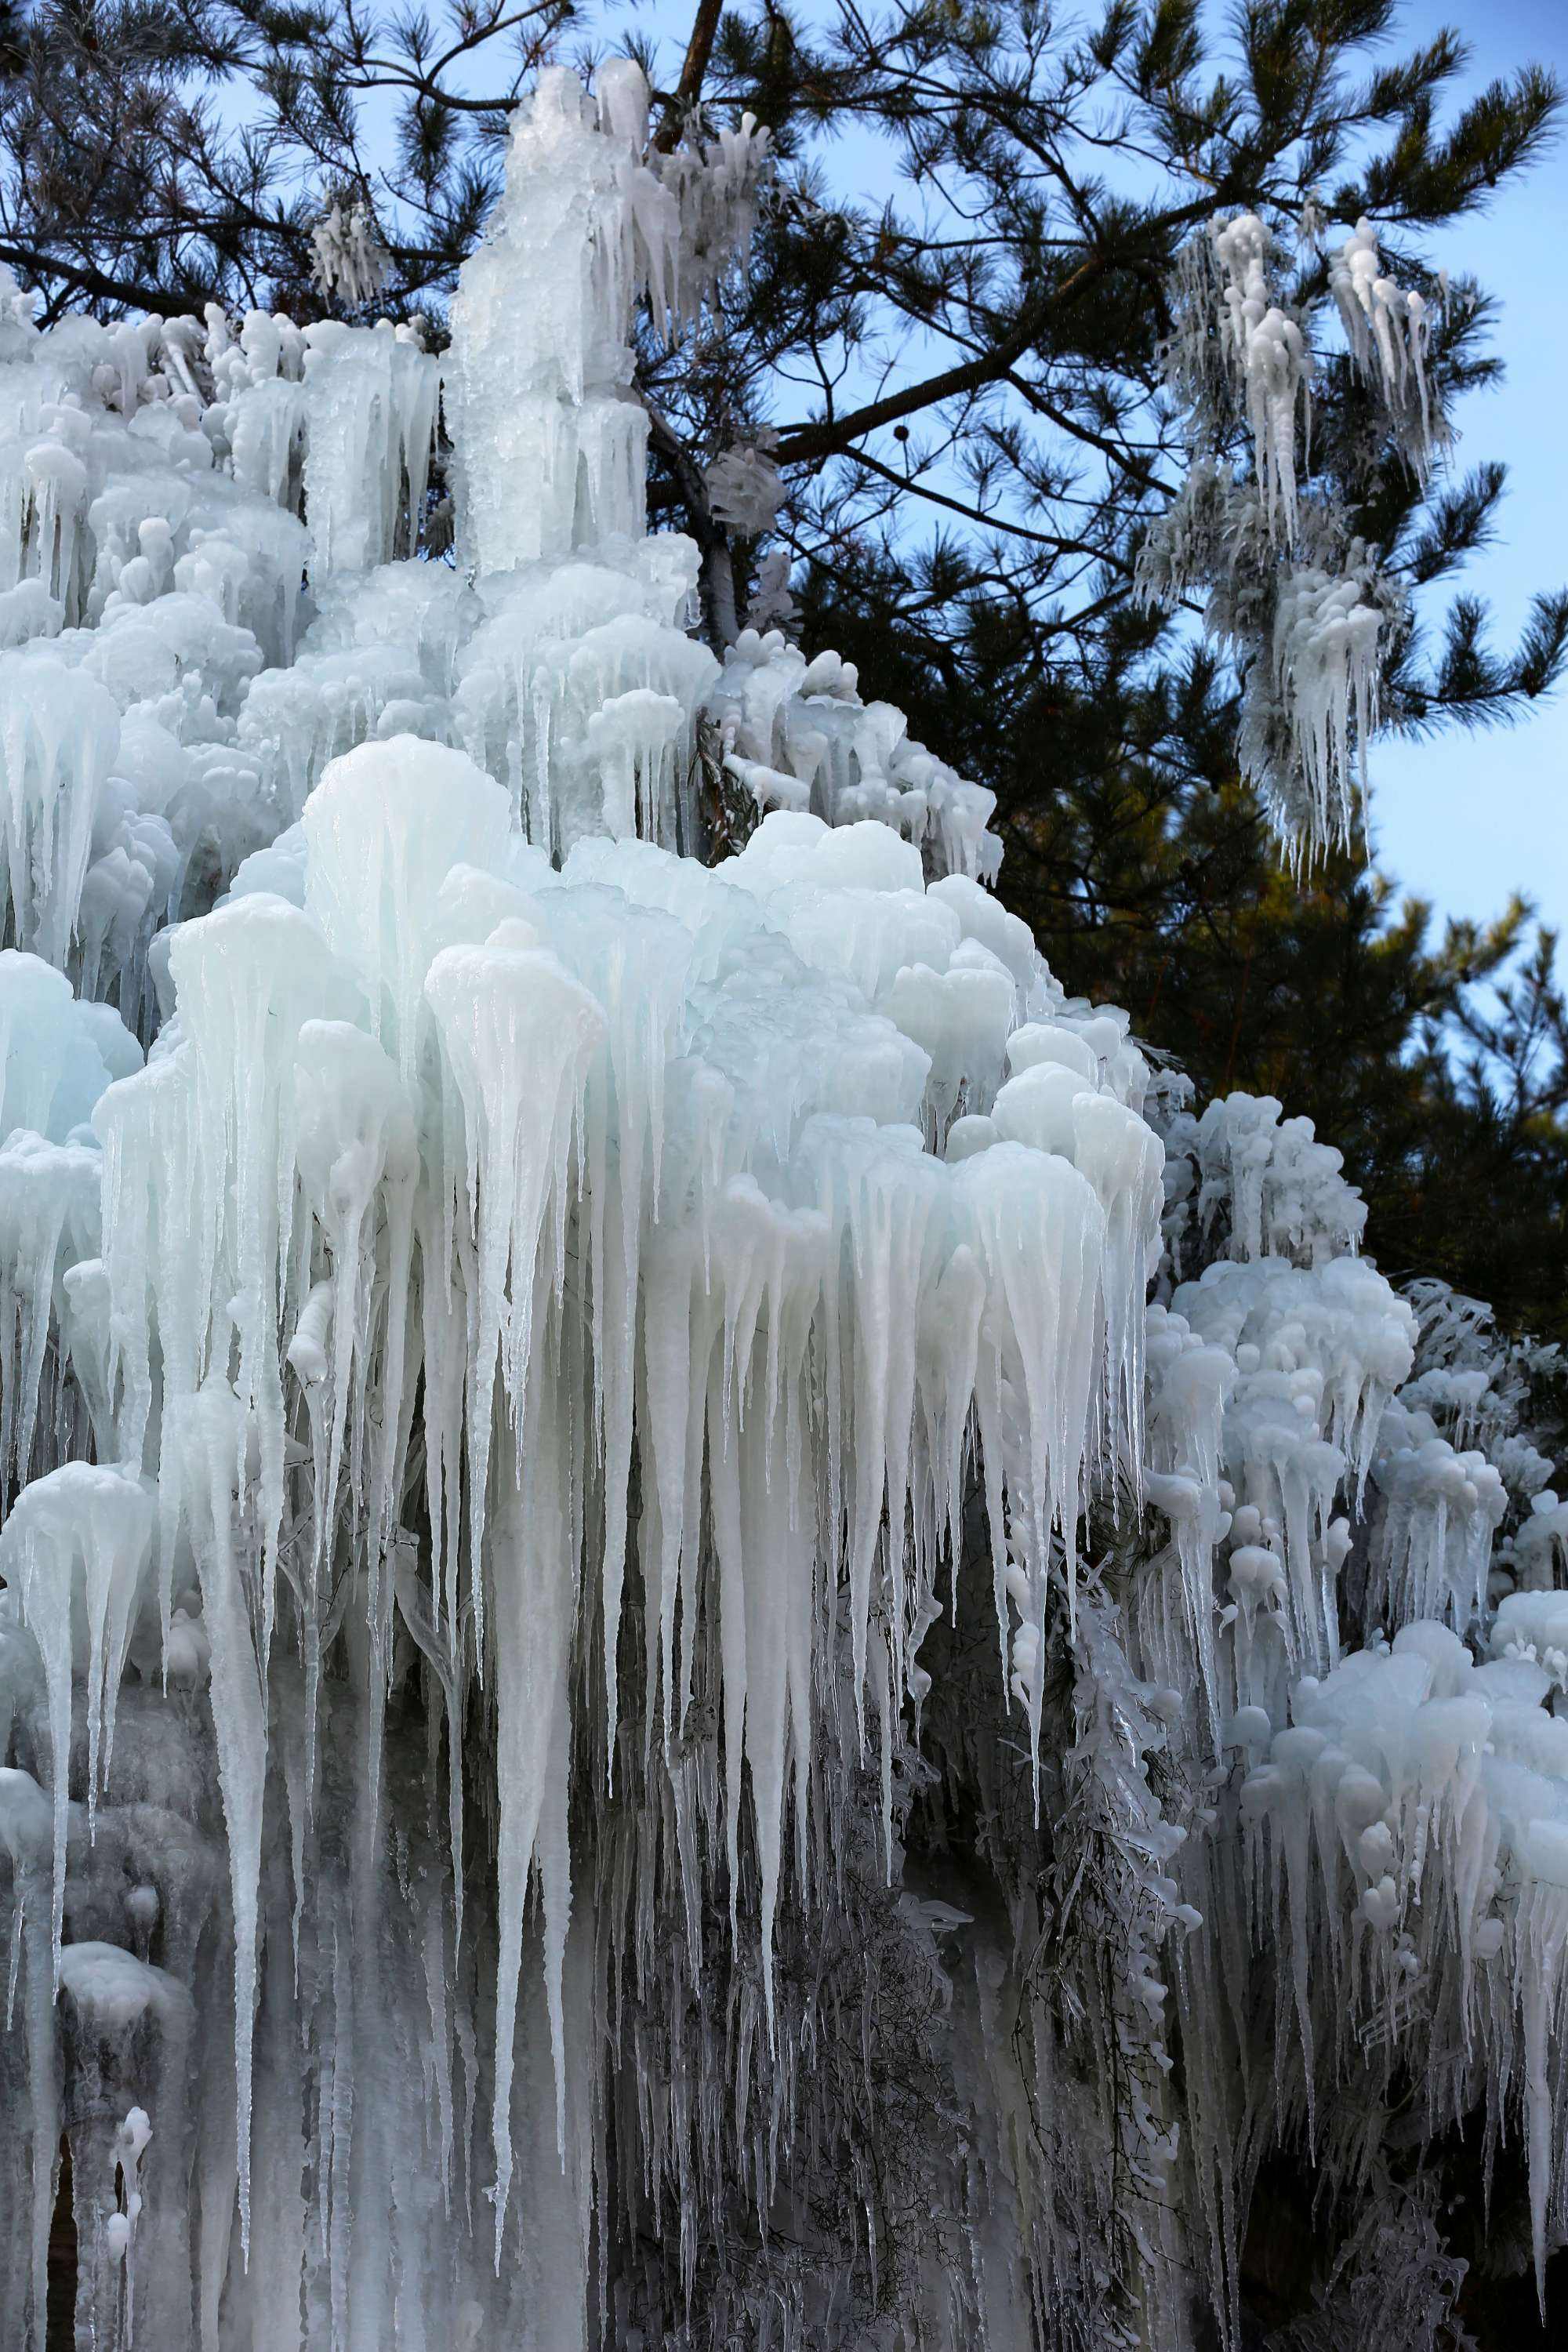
[643, 1697]
[1308, 616]
[745, 487]
[351, 259]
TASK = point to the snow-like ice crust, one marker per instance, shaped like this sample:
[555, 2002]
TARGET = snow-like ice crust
[489, 1398]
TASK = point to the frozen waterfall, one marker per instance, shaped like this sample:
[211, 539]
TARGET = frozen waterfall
[520, 1350]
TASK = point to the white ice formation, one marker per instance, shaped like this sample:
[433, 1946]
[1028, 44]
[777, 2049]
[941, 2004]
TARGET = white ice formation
[350, 258]
[745, 487]
[571, 1389]
[1388, 328]
[1268, 352]
[1306, 612]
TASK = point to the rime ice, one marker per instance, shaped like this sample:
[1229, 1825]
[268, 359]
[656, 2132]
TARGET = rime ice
[1305, 608]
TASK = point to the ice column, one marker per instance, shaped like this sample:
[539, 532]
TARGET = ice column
[552, 442]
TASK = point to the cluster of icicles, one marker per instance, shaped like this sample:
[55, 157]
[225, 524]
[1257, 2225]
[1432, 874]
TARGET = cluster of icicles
[1397, 1836]
[445, 1191]
[1299, 600]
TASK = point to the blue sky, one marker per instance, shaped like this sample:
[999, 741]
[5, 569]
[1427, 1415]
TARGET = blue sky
[1465, 819]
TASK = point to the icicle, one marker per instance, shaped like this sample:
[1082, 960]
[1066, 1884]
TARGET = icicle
[206, 1446]
[76, 1546]
[534, 1579]
[370, 415]
[58, 738]
[1388, 332]
[517, 1034]
[1269, 352]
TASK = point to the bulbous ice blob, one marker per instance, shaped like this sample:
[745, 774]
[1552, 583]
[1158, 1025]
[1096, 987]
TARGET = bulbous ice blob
[1038, 1106]
[382, 830]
